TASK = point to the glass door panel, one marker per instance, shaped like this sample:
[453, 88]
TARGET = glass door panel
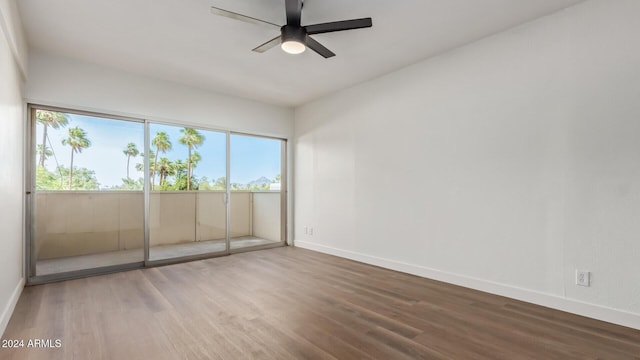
[256, 170]
[187, 210]
[88, 202]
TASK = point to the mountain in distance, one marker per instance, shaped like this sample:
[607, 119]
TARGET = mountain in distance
[261, 181]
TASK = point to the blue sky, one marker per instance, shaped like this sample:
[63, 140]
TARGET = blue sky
[251, 157]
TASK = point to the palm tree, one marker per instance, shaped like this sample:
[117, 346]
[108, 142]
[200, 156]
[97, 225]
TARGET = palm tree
[49, 118]
[77, 140]
[177, 170]
[192, 138]
[152, 164]
[162, 143]
[195, 158]
[165, 167]
[130, 151]
[44, 153]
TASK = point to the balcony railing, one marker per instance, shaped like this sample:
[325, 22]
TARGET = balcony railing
[72, 223]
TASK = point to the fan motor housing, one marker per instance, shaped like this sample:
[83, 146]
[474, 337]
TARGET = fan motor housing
[293, 33]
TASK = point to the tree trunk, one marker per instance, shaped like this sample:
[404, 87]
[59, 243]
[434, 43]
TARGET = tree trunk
[44, 144]
[155, 164]
[128, 158]
[71, 170]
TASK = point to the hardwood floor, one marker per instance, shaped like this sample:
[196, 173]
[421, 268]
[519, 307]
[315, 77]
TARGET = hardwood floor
[288, 303]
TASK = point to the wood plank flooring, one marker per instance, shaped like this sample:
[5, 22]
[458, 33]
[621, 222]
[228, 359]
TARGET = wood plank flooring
[290, 303]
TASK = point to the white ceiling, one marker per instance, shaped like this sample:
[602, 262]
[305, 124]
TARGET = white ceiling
[181, 41]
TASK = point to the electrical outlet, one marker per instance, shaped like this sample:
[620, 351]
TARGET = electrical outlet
[310, 231]
[583, 278]
[306, 230]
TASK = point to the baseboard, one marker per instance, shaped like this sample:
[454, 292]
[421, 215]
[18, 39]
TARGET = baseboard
[10, 306]
[548, 300]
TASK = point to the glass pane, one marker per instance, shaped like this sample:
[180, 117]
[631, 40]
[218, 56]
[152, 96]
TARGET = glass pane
[88, 199]
[187, 182]
[256, 168]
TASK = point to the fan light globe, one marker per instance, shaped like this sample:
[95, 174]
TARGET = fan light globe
[293, 47]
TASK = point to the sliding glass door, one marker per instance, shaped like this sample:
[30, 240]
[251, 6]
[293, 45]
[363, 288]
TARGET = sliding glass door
[108, 193]
[257, 191]
[88, 205]
[188, 211]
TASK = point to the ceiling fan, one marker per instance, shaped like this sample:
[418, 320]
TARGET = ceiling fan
[294, 38]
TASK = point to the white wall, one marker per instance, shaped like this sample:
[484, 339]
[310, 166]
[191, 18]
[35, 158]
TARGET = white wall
[503, 165]
[12, 56]
[11, 28]
[65, 82]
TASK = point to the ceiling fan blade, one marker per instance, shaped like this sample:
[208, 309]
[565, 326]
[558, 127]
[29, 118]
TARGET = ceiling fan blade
[247, 19]
[294, 11]
[319, 48]
[268, 45]
[338, 26]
